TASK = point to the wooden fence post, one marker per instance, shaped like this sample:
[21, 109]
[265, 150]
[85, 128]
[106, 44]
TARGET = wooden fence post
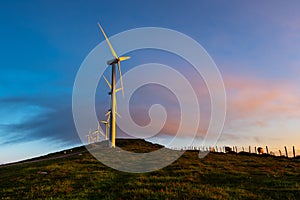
[294, 152]
[286, 153]
[280, 152]
[249, 149]
[267, 149]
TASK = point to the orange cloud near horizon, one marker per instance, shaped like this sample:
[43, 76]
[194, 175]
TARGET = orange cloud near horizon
[256, 108]
[249, 97]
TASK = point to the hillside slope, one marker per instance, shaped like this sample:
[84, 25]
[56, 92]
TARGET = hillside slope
[217, 176]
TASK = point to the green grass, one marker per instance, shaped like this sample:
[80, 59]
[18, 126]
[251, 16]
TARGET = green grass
[217, 176]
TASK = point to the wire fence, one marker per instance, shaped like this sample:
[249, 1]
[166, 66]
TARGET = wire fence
[275, 151]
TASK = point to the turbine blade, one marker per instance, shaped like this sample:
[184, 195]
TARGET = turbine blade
[118, 115]
[108, 42]
[117, 112]
[122, 58]
[121, 79]
[109, 85]
[108, 113]
[118, 90]
[102, 133]
[108, 118]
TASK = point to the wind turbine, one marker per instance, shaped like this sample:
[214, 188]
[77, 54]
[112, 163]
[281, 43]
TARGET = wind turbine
[116, 60]
[96, 133]
[89, 137]
[106, 123]
[95, 136]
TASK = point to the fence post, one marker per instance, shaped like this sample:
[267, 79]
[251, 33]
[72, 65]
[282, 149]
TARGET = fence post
[255, 149]
[280, 152]
[286, 153]
[249, 149]
[294, 152]
[267, 149]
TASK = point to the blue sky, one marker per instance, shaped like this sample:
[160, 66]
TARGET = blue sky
[255, 44]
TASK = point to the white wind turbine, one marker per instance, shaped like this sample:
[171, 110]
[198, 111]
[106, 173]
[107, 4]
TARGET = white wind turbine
[96, 133]
[106, 123]
[89, 137]
[112, 85]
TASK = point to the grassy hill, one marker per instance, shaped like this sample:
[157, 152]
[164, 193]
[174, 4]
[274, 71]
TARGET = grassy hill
[78, 175]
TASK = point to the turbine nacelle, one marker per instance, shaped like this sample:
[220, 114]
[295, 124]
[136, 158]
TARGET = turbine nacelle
[113, 61]
[116, 60]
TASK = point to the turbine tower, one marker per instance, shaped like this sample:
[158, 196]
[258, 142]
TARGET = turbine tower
[115, 61]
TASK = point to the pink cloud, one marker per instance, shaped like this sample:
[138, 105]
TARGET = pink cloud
[255, 108]
[169, 101]
[250, 97]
